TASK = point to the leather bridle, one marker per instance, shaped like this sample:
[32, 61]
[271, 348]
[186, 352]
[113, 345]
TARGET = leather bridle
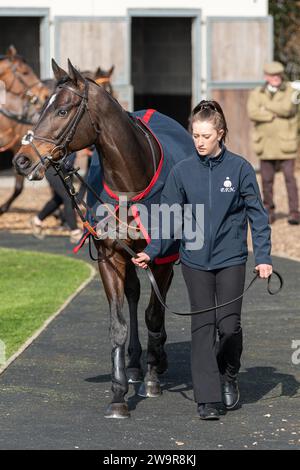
[64, 138]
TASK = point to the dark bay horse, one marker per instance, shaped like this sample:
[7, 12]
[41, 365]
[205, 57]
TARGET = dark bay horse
[81, 113]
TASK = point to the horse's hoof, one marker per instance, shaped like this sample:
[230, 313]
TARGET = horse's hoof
[162, 370]
[149, 390]
[117, 410]
[162, 367]
[134, 375]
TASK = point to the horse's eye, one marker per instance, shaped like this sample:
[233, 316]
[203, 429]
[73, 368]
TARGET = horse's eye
[62, 113]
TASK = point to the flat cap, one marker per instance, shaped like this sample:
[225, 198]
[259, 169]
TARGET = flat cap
[273, 68]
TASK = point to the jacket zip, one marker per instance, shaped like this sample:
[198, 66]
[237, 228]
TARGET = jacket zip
[210, 212]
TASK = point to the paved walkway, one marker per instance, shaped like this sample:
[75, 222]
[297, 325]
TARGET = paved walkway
[55, 394]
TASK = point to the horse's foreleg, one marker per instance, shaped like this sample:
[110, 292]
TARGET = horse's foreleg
[17, 191]
[113, 275]
[132, 293]
[155, 316]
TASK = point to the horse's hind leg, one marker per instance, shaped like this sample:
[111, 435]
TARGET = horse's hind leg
[132, 293]
[17, 191]
[155, 316]
[113, 276]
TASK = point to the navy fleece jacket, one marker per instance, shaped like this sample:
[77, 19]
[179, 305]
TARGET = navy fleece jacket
[227, 188]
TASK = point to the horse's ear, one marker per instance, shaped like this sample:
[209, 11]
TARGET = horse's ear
[59, 73]
[98, 72]
[110, 72]
[75, 75]
[11, 51]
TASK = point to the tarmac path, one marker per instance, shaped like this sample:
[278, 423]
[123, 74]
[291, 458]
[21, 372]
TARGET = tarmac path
[54, 395]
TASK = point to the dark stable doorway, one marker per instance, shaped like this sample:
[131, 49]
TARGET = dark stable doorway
[24, 34]
[161, 71]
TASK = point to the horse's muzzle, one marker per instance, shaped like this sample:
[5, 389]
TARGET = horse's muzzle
[21, 162]
[25, 167]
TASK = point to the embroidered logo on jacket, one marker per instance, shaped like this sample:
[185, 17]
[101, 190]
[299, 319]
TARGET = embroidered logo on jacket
[227, 186]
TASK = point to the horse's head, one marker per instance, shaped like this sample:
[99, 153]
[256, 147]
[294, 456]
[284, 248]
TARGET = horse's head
[16, 74]
[65, 125]
[6, 62]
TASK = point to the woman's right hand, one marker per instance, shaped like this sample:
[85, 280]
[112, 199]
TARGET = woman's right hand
[141, 260]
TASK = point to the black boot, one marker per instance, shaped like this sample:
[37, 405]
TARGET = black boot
[231, 394]
[294, 218]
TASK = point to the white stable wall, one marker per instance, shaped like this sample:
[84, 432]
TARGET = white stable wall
[119, 7]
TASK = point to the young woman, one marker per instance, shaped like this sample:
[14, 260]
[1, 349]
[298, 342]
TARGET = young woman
[226, 185]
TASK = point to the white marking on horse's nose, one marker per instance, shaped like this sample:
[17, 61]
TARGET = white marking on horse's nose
[51, 100]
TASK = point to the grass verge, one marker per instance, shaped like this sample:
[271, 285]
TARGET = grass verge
[32, 287]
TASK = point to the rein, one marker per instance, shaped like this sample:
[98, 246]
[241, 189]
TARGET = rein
[161, 300]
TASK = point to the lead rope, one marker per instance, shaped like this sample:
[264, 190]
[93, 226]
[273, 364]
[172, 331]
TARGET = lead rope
[161, 300]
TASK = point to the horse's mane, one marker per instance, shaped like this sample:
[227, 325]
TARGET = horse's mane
[110, 96]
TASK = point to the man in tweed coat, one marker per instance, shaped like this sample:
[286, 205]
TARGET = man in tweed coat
[272, 109]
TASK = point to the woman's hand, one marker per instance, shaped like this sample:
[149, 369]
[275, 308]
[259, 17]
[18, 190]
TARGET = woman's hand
[142, 260]
[264, 270]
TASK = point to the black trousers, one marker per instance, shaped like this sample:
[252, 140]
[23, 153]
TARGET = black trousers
[211, 360]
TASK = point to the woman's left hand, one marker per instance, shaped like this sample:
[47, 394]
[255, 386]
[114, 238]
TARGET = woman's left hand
[264, 270]
[141, 260]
